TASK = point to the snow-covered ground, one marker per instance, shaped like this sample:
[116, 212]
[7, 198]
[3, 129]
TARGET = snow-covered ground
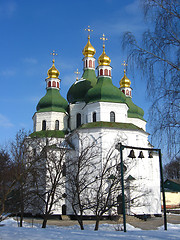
[10, 231]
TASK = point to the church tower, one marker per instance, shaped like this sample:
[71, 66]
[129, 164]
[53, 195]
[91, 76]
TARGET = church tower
[52, 109]
[77, 92]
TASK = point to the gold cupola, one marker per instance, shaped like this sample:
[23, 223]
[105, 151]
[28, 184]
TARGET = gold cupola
[89, 50]
[103, 59]
[125, 82]
[53, 72]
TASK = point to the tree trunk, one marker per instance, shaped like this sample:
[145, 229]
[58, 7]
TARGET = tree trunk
[79, 218]
[44, 222]
[22, 208]
[21, 221]
[81, 224]
[97, 224]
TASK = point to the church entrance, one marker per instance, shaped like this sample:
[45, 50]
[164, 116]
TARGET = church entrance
[120, 205]
[64, 209]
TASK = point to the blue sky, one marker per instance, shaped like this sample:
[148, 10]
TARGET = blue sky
[31, 30]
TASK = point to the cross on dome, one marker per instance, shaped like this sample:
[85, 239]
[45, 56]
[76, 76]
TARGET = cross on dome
[77, 73]
[53, 54]
[53, 72]
[125, 65]
[89, 30]
[103, 38]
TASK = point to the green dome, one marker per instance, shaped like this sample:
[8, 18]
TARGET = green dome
[134, 111]
[79, 89]
[52, 102]
[105, 91]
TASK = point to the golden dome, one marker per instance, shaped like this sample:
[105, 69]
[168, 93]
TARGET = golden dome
[53, 72]
[89, 50]
[125, 82]
[104, 59]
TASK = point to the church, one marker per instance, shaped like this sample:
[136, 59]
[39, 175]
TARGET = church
[99, 114]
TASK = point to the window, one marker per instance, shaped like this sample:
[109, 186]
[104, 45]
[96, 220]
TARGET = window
[57, 125]
[94, 116]
[86, 64]
[106, 72]
[101, 72]
[43, 125]
[54, 84]
[112, 117]
[57, 85]
[90, 63]
[49, 84]
[109, 72]
[78, 120]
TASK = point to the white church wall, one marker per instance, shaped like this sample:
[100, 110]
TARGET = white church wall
[138, 122]
[103, 110]
[74, 110]
[50, 118]
[146, 190]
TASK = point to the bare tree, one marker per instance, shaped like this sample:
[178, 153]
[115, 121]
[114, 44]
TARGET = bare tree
[157, 56]
[172, 169]
[19, 153]
[6, 179]
[81, 174]
[47, 177]
[106, 187]
[93, 180]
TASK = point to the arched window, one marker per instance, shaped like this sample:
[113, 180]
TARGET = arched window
[78, 120]
[43, 125]
[94, 64]
[123, 91]
[106, 72]
[127, 92]
[112, 117]
[49, 84]
[101, 72]
[94, 116]
[90, 63]
[54, 84]
[57, 125]
[86, 64]
[109, 72]
[57, 85]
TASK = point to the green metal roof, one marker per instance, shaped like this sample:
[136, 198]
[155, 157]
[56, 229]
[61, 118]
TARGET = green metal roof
[48, 133]
[116, 125]
[52, 101]
[105, 91]
[172, 185]
[79, 89]
[134, 111]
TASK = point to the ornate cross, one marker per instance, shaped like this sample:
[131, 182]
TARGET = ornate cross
[89, 30]
[53, 54]
[77, 72]
[125, 65]
[103, 38]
